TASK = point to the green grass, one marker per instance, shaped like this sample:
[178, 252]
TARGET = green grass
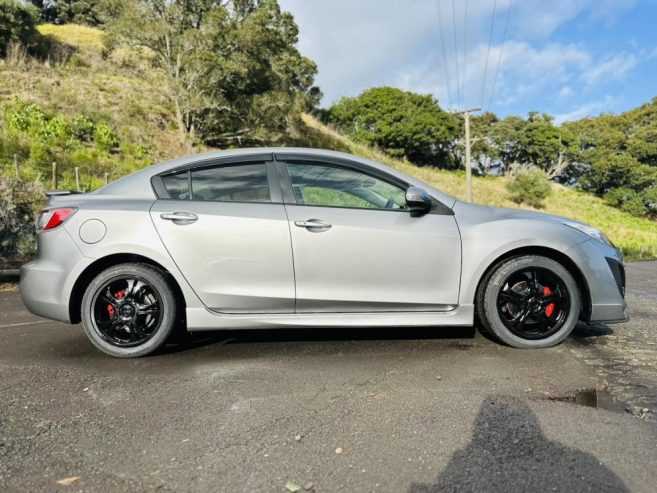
[636, 237]
[81, 37]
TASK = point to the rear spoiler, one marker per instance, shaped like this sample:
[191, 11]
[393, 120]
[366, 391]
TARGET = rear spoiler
[57, 193]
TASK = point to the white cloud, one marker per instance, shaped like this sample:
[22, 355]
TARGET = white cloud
[565, 92]
[614, 67]
[387, 42]
[586, 109]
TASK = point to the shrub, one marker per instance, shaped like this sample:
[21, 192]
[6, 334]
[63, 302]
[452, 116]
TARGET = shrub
[18, 25]
[529, 187]
[19, 204]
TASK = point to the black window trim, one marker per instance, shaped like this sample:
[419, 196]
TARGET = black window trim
[282, 159]
[275, 192]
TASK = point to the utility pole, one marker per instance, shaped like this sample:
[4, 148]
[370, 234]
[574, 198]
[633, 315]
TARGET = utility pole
[468, 158]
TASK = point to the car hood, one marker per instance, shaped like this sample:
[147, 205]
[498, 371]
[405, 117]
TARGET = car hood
[497, 213]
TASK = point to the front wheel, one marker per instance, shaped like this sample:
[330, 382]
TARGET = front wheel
[129, 310]
[529, 302]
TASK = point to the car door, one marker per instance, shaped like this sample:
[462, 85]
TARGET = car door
[358, 249]
[226, 228]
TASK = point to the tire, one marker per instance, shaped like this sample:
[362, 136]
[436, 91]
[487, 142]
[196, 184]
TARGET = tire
[529, 302]
[129, 331]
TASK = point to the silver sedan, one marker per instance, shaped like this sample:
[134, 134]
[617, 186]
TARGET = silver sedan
[282, 237]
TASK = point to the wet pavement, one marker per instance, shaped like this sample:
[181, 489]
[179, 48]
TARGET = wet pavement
[409, 410]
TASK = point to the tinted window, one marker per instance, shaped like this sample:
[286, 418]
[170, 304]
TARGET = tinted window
[177, 185]
[236, 183]
[334, 186]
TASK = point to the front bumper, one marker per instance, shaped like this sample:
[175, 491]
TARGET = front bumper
[602, 268]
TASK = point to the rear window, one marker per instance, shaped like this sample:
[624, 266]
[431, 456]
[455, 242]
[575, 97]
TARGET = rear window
[177, 185]
[234, 183]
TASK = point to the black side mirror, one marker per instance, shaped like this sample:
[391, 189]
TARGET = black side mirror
[418, 201]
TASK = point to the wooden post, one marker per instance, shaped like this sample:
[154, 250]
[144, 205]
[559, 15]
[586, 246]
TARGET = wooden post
[468, 159]
[106, 178]
[54, 175]
[18, 176]
[77, 178]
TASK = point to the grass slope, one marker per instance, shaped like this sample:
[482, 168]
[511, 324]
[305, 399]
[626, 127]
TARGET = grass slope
[124, 92]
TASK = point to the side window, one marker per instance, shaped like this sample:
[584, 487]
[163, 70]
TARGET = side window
[233, 183]
[177, 185]
[335, 186]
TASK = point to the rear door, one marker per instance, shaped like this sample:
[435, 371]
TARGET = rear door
[226, 228]
[358, 249]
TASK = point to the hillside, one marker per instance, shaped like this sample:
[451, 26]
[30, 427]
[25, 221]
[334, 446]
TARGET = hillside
[122, 94]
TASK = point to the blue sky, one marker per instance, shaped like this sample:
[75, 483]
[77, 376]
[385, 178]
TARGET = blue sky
[570, 58]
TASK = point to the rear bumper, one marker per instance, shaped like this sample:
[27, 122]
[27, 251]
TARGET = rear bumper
[602, 267]
[46, 283]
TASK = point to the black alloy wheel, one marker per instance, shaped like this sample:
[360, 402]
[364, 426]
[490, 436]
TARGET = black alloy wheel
[127, 311]
[533, 303]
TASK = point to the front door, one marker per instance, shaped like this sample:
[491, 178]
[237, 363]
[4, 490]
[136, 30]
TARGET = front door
[357, 248]
[229, 238]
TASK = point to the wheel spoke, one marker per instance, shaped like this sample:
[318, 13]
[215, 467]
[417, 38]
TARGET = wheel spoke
[109, 298]
[535, 280]
[519, 320]
[134, 287]
[149, 309]
[511, 297]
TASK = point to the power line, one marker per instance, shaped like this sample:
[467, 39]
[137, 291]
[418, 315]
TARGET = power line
[490, 42]
[499, 58]
[442, 45]
[456, 54]
[465, 51]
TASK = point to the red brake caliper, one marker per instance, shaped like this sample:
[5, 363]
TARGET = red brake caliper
[119, 296]
[550, 308]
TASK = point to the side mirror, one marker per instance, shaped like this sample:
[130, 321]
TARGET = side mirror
[418, 201]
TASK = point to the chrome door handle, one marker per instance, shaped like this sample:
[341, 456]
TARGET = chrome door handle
[179, 217]
[313, 224]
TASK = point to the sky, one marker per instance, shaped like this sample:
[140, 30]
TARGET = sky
[569, 58]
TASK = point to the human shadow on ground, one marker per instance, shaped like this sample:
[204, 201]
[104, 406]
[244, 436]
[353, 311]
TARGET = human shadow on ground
[509, 453]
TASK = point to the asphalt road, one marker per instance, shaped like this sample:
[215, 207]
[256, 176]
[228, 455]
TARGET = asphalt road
[408, 410]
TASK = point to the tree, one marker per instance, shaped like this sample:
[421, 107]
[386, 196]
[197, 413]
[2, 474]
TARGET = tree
[85, 12]
[515, 142]
[230, 68]
[17, 25]
[401, 123]
[619, 157]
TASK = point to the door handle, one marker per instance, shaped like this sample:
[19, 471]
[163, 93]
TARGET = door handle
[179, 217]
[313, 224]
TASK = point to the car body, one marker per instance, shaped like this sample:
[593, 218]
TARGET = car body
[284, 237]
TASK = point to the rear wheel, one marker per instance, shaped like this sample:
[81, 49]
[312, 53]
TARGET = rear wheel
[129, 310]
[529, 302]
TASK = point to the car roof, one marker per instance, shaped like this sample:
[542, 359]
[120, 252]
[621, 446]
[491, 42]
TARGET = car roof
[138, 185]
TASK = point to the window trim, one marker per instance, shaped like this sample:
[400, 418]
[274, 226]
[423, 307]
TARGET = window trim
[282, 160]
[275, 193]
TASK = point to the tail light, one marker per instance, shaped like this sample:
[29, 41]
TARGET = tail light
[51, 218]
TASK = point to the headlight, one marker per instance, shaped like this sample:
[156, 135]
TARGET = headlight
[594, 233]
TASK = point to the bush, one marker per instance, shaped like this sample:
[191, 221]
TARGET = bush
[18, 25]
[529, 187]
[19, 204]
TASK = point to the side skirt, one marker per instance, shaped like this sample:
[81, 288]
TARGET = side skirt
[199, 319]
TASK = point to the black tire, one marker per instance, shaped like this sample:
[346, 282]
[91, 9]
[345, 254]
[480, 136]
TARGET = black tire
[513, 302]
[149, 321]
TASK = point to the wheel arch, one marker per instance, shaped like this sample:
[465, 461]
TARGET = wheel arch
[99, 265]
[557, 256]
